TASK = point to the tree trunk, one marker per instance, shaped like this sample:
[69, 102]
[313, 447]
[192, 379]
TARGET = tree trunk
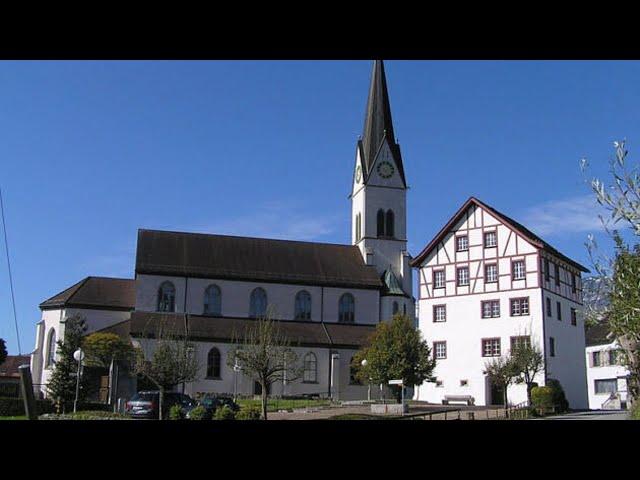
[160, 403]
[506, 405]
[264, 400]
[528, 394]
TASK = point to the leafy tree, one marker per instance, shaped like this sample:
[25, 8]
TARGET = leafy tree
[103, 348]
[3, 351]
[396, 351]
[62, 383]
[264, 354]
[166, 358]
[502, 372]
[528, 361]
[621, 199]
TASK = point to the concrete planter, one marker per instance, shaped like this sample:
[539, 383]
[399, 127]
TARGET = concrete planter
[389, 409]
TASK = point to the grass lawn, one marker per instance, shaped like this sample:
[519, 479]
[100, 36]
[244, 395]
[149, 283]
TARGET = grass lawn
[274, 404]
[21, 417]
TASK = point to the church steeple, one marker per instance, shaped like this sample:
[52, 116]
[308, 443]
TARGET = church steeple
[378, 123]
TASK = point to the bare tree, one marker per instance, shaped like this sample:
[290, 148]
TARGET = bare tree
[502, 372]
[528, 361]
[166, 357]
[264, 354]
[621, 305]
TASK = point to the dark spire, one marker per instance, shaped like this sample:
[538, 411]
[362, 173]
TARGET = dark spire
[377, 122]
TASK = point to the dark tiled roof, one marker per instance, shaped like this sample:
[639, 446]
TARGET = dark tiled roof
[252, 259]
[224, 329]
[598, 334]
[532, 237]
[10, 366]
[97, 293]
[378, 123]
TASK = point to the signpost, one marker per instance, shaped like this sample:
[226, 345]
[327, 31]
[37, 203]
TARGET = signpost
[401, 383]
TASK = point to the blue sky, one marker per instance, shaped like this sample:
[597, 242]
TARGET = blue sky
[92, 151]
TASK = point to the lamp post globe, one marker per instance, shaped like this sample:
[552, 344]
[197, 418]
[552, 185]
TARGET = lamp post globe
[364, 362]
[78, 355]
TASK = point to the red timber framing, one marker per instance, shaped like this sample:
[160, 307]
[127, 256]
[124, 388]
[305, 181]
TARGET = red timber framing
[472, 216]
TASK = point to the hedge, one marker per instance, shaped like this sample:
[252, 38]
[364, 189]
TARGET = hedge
[635, 410]
[14, 407]
[542, 398]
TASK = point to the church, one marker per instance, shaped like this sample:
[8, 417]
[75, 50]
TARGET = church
[326, 298]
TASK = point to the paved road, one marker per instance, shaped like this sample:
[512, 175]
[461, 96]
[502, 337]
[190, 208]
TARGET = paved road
[592, 415]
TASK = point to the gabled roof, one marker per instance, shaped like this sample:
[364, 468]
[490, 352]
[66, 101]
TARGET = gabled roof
[9, 368]
[252, 259]
[227, 329]
[378, 123]
[521, 229]
[96, 293]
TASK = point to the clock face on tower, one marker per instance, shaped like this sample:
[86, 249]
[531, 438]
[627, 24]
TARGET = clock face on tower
[358, 173]
[385, 169]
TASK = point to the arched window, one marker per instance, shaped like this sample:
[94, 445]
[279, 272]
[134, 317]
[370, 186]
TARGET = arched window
[395, 307]
[310, 373]
[346, 309]
[404, 308]
[212, 301]
[51, 348]
[213, 363]
[358, 227]
[303, 306]
[380, 222]
[390, 224]
[167, 297]
[258, 303]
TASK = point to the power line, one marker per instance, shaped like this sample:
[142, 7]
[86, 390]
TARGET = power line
[13, 300]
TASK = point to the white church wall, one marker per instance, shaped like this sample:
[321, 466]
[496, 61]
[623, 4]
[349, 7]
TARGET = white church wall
[226, 383]
[236, 295]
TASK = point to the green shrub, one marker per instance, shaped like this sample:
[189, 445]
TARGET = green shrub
[559, 399]
[225, 413]
[249, 412]
[635, 410]
[14, 407]
[88, 415]
[542, 399]
[175, 412]
[198, 413]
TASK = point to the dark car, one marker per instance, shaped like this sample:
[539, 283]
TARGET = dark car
[145, 404]
[211, 404]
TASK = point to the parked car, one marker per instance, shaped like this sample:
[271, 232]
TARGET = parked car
[212, 403]
[145, 404]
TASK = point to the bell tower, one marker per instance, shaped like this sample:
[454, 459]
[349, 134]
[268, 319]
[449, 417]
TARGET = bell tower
[379, 201]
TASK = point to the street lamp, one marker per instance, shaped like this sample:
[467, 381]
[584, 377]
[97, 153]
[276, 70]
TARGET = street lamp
[78, 356]
[236, 369]
[364, 364]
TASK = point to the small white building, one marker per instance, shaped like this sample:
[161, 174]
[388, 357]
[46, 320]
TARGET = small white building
[606, 378]
[487, 283]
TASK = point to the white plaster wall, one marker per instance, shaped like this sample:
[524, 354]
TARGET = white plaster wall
[568, 365]
[95, 320]
[245, 385]
[236, 295]
[463, 331]
[602, 373]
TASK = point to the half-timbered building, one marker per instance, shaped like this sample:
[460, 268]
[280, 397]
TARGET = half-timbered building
[487, 284]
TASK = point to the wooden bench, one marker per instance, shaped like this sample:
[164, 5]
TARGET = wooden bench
[468, 399]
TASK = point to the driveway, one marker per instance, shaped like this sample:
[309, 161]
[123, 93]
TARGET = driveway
[591, 415]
